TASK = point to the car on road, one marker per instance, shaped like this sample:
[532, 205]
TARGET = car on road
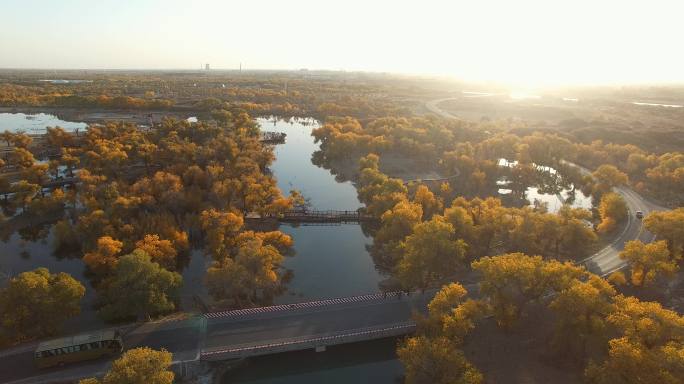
[639, 214]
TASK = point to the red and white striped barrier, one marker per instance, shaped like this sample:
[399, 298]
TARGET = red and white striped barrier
[311, 304]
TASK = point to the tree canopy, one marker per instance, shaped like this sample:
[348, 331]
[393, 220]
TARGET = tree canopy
[37, 303]
[139, 288]
[138, 366]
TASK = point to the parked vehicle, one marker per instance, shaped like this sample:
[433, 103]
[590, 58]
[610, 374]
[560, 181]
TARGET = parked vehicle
[77, 348]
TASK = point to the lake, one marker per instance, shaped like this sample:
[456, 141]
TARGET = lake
[36, 123]
[537, 194]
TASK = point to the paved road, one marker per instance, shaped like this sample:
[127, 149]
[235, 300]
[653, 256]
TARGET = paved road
[311, 322]
[607, 260]
[180, 337]
[254, 327]
[433, 106]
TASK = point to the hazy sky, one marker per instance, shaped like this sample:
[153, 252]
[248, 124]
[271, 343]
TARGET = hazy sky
[520, 41]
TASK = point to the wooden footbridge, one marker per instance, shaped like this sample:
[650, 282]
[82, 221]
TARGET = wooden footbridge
[329, 216]
[51, 185]
[306, 216]
[269, 137]
[436, 179]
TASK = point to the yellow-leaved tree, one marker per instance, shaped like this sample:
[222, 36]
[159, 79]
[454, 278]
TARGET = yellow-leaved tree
[138, 366]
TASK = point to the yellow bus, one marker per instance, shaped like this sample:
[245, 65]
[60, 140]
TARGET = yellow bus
[78, 348]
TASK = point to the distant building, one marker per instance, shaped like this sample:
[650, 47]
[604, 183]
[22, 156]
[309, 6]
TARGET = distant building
[206, 67]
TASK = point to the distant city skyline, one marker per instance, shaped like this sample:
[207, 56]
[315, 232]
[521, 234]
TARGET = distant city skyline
[527, 42]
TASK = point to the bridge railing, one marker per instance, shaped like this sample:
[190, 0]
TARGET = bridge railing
[241, 313]
[274, 137]
[323, 215]
[310, 342]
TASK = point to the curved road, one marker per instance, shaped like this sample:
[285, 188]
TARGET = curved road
[607, 260]
[433, 107]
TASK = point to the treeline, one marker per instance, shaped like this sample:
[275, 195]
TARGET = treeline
[14, 96]
[277, 94]
[661, 176]
[473, 151]
[420, 138]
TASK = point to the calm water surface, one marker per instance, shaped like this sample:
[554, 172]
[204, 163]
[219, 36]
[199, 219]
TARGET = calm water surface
[554, 201]
[35, 123]
[328, 261]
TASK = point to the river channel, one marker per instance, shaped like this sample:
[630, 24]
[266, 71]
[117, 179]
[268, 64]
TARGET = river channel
[328, 261]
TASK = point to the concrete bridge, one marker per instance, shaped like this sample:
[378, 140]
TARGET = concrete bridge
[243, 333]
[313, 325]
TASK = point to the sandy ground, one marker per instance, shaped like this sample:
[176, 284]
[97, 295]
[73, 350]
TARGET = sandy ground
[518, 357]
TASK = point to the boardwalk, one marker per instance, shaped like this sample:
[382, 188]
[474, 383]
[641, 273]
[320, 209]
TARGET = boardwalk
[51, 184]
[269, 137]
[329, 216]
[437, 179]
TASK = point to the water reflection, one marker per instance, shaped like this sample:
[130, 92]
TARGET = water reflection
[36, 123]
[368, 362]
[542, 185]
[328, 261]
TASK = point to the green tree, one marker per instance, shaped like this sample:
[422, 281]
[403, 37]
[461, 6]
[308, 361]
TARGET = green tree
[36, 303]
[139, 288]
[253, 270]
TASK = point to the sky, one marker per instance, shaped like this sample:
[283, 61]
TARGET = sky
[522, 42]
